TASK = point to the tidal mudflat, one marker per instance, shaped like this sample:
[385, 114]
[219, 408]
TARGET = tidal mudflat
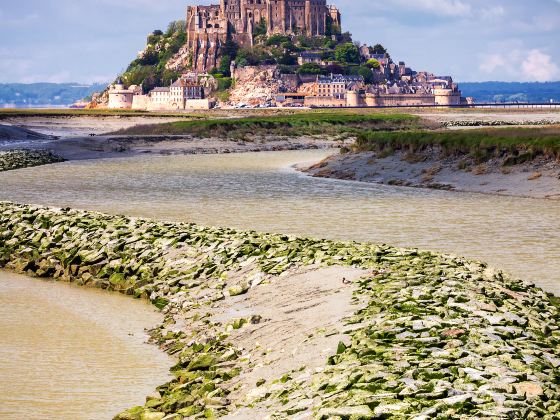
[280, 324]
[431, 334]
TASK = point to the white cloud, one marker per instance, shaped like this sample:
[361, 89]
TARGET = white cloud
[517, 64]
[492, 12]
[492, 62]
[539, 66]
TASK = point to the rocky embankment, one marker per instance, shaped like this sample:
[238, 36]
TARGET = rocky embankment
[18, 159]
[431, 335]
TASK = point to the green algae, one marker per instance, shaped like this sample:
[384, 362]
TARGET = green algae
[18, 159]
[437, 336]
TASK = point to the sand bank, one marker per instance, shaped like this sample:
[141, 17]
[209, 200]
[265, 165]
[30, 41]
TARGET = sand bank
[537, 179]
[424, 334]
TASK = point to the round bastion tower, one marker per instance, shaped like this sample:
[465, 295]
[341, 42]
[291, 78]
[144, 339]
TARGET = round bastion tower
[447, 97]
[352, 98]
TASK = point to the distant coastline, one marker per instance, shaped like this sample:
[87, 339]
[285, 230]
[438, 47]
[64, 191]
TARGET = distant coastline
[64, 95]
[534, 92]
[45, 95]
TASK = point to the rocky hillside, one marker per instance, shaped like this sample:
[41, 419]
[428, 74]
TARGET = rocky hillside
[150, 69]
[255, 85]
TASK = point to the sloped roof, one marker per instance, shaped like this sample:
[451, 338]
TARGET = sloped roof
[161, 89]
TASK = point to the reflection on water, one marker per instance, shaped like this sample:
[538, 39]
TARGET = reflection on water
[260, 191]
[70, 353]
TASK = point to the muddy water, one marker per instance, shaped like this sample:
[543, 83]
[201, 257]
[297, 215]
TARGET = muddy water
[73, 353]
[260, 191]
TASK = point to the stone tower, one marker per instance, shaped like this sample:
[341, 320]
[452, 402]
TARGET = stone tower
[208, 27]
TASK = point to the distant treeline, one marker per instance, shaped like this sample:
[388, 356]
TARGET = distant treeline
[45, 94]
[512, 92]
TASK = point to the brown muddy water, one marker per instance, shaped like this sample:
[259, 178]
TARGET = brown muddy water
[73, 353]
[260, 191]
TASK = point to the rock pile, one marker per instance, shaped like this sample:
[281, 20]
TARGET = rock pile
[439, 338]
[17, 159]
[437, 335]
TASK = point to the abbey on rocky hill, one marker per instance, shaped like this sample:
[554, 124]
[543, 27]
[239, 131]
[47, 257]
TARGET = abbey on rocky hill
[208, 27]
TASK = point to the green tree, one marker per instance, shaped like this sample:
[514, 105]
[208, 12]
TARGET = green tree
[328, 55]
[224, 83]
[175, 27]
[332, 27]
[225, 65]
[287, 59]
[378, 49]
[152, 81]
[289, 46]
[347, 53]
[277, 40]
[230, 48]
[366, 73]
[372, 63]
[169, 76]
[260, 28]
[149, 58]
[345, 37]
[310, 68]
[336, 68]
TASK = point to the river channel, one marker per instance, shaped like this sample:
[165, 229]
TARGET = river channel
[260, 191]
[70, 353]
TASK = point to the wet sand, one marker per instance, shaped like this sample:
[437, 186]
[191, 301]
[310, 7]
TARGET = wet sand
[537, 179]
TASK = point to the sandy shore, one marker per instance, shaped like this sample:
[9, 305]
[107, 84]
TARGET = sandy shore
[66, 137]
[108, 146]
[80, 126]
[537, 179]
[121, 146]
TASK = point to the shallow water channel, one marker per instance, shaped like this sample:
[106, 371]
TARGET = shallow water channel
[70, 353]
[261, 191]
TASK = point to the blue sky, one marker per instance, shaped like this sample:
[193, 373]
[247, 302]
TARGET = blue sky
[472, 40]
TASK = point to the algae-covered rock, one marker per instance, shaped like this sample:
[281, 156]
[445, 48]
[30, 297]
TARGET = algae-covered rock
[238, 290]
[204, 361]
[133, 413]
[362, 412]
[17, 159]
[149, 415]
[433, 335]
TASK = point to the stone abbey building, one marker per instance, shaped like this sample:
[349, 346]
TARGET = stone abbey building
[209, 26]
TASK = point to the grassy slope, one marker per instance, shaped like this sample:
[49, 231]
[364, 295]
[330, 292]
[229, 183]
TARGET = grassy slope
[484, 143]
[293, 124]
